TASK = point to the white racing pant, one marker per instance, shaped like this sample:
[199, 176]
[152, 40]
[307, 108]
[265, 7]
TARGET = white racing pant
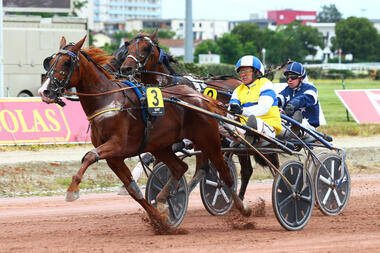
[262, 127]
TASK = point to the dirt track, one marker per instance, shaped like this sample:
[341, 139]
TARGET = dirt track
[110, 223]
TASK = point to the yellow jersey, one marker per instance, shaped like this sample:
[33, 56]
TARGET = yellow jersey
[248, 95]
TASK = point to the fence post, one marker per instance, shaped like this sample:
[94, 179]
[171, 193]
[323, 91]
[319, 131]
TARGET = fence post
[344, 87]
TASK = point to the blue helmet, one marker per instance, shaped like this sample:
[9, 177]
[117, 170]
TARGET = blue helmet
[250, 61]
[296, 68]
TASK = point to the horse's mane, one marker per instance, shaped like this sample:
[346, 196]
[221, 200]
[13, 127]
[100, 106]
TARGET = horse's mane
[100, 57]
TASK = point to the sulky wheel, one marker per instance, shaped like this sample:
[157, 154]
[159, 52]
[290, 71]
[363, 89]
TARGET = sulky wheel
[293, 204]
[178, 199]
[332, 184]
[215, 197]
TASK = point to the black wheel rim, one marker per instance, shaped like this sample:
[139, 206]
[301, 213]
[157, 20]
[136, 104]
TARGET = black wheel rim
[332, 185]
[178, 199]
[215, 195]
[293, 203]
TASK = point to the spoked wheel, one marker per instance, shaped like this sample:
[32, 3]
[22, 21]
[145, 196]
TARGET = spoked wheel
[332, 184]
[293, 203]
[215, 197]
[178, 198]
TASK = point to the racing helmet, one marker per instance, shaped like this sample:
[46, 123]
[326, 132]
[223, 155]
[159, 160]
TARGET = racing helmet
[295, 68]
[250, 61]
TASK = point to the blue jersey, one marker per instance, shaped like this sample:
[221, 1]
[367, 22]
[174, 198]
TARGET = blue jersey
[305, 99]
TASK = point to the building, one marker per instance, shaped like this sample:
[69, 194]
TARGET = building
[376, 24]
[262, 23]
[283, 17]
[111, 15]
[176, 47]
[28, 40]
[328, 31]
[202, 29]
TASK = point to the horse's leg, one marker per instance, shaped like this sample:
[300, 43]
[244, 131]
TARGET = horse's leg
[246, 173]
[104, 151]
[177, 168]
[122, 171]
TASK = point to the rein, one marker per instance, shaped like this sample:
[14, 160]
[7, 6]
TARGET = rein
[187, 95]
[96, 94]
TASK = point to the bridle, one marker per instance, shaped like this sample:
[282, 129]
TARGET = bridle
[137, 58]
[57, 86]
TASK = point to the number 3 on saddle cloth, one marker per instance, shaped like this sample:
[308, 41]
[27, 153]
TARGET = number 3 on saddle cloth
[150, 98]
[151, 102]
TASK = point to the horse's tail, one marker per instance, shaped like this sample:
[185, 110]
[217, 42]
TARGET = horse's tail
[272, 157]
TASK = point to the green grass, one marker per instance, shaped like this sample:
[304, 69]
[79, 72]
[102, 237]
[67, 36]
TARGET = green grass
[333, 109]
[338, 124]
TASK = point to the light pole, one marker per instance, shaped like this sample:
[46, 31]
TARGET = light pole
[1, 52]
[263, 51]
[189, 33]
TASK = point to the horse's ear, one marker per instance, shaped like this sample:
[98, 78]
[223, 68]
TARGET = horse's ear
[78, 46]
[126, 43]
[62, 43]
[153, 36]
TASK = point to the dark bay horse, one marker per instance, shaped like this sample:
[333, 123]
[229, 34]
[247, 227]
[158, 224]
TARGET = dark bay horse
[117, 126]
[148, 61]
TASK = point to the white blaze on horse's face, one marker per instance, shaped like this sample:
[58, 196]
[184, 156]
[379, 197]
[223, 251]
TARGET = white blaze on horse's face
[41, 92]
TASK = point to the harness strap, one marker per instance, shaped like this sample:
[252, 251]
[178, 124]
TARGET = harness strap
[188, 95]
[103, 111]
[144, 142]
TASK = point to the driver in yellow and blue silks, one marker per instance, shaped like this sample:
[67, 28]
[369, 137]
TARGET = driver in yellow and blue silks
[255, 99]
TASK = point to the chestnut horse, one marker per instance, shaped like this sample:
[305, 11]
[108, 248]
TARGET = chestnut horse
[117, 126]
[145, 59]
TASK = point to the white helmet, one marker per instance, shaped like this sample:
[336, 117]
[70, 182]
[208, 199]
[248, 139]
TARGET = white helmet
[250, 61]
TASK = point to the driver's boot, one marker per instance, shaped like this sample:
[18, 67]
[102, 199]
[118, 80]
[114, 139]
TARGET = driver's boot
[251, 122]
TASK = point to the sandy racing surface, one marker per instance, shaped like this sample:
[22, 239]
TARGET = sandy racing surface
[110, 223]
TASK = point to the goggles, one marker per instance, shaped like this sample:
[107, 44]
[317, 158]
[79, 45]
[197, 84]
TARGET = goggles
[292, 76]
[245, 71]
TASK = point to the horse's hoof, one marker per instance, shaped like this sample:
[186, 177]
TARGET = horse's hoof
[72, 196]
[247, 211]
[163, 208]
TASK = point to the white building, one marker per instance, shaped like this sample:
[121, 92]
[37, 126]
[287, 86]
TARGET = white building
[328, 31]
[202, 29]
[111, 15]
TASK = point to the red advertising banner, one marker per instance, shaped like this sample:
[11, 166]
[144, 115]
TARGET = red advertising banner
[364, 105]
[30, 121]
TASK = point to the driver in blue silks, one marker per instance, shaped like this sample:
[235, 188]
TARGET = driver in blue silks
[299, 99]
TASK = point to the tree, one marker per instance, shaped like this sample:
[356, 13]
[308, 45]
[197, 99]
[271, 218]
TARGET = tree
[230, 48]
[251, 38]
[161, 33]
[116, 41]
[357, 36]
[329, 14]
[204, 47]
[77, 5]
[307, 39]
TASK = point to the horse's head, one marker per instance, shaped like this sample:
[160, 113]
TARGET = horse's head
[121, 53]
[62, 71]
[143, 51]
